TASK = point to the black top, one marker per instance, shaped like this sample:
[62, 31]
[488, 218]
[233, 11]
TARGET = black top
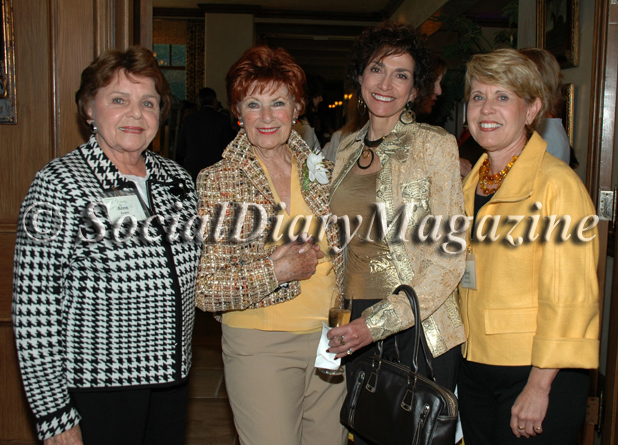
[203, 137]
[480, 201]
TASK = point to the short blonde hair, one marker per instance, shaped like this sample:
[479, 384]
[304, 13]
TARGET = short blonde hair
[513, 71]
[552, 77]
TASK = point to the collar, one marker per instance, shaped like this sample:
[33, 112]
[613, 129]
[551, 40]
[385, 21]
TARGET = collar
[239, 153]
[108, 174]
[519, 183]
[388, 147]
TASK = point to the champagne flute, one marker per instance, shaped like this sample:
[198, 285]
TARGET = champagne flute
[338, 315]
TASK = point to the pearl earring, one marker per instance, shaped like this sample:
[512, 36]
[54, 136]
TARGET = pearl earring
[93, 128]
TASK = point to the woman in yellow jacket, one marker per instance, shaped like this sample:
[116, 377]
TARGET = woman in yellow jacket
[529, 298]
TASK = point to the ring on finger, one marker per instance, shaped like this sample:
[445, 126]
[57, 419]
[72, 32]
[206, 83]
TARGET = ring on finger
[537, 428]
[349, 351]
[341, 340]
[521, 428]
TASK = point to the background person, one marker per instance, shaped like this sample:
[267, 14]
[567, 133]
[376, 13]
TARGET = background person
[550, 128]
[355, 121]
[394, 160]
[273, 295]
[308, 124]
[532, 323]
[104, 327]
[204, 135]
[439, 70]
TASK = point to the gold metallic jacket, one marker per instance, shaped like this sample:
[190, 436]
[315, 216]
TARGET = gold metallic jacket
[240, 275]
[420, 166]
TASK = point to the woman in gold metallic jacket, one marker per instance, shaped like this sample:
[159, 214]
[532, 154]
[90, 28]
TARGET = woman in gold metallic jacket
[393, 165]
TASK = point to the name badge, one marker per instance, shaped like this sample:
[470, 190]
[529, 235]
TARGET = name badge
[124, 206]
[469, 278]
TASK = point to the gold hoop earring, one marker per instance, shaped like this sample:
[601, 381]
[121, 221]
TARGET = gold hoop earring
[360, 104]
[407, 116]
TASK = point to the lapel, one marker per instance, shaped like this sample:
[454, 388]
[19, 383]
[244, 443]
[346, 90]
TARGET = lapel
[395, 142]
[240, 153]
[106, 172]
[519, 183]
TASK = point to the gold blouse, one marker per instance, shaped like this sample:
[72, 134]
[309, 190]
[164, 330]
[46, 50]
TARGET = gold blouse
[370, 271]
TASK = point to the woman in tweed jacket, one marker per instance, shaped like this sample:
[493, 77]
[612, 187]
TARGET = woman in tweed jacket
[103, 316]
[267, 268]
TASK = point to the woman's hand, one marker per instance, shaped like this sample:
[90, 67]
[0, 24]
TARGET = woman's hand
[69, 437]
[296, 260]
[349, 338]
[530, 408]
[464, 167]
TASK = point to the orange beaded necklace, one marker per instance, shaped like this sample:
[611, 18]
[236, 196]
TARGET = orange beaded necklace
[485, 179]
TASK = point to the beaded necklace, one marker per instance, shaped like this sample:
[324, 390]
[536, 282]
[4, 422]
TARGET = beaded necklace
[485, 179]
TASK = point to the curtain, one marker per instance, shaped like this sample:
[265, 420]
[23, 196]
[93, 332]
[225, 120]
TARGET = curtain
[195, 59]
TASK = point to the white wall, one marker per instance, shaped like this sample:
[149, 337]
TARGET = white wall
[227, 37]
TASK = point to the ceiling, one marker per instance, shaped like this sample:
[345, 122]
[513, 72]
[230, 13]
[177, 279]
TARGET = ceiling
[319, 33]
[357, 6]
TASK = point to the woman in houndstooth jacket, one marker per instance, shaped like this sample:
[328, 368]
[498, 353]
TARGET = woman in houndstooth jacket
[103, 315]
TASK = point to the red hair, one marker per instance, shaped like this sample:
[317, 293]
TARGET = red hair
[261, 67]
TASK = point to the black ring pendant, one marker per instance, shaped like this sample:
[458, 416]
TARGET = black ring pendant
[370, 162]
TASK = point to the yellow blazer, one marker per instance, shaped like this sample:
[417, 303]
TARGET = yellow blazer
[537, 303]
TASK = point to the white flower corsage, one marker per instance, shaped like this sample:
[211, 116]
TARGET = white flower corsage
[314, 170]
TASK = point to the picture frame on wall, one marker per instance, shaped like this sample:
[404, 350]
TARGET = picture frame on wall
[568, 94]
[557, 23]
[8, 90]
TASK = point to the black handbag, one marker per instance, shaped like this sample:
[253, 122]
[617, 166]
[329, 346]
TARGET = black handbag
[391, 404]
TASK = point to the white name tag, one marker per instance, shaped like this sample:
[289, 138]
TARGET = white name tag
[125, 205]
[469, 278]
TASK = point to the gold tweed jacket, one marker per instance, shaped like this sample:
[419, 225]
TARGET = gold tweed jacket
[420, 167]
[236, 275]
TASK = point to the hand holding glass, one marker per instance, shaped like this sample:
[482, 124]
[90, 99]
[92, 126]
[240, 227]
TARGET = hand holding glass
[338, 315]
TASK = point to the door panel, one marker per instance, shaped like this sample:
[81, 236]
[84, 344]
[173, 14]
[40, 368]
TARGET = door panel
[54, 41]
[599, 178]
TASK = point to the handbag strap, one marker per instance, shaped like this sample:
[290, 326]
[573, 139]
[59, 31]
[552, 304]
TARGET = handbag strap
[419, 333]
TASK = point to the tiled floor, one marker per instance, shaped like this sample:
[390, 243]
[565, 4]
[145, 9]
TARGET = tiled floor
[209, 419]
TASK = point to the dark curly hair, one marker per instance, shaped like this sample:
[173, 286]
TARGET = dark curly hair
[390, 38]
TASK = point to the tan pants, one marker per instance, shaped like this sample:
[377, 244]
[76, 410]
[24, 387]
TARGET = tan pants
[277, 396]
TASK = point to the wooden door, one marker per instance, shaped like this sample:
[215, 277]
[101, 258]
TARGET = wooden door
[599, 181]
[54, 40]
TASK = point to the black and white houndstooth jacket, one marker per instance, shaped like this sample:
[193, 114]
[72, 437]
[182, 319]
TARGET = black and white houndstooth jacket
[101, 314]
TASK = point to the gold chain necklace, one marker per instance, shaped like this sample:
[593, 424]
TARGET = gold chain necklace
[485, 179]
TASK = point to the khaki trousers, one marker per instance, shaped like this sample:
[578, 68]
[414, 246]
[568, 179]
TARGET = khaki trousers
[276, 394]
